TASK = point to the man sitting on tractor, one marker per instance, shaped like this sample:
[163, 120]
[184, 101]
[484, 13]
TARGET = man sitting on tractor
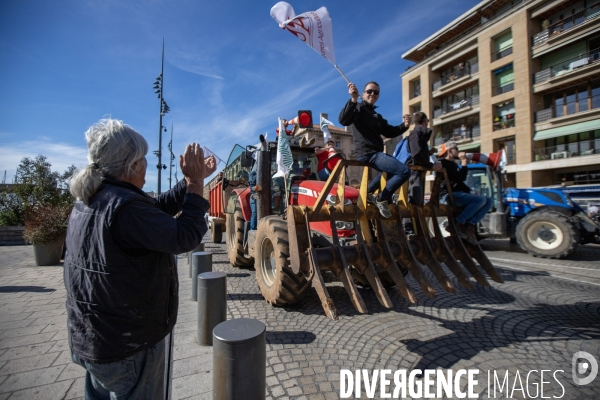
[473, 207]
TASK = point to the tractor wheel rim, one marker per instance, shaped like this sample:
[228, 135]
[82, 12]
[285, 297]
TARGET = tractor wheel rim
[268, 264]
[545, 235]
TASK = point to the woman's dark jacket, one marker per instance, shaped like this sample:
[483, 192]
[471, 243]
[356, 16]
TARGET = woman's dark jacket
[456, 176]
[418, 142]
[369, 126]
[119, 270]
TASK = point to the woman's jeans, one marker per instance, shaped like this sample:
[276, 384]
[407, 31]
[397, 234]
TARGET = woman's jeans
[397, 174]
[473, 207]
[140, 376]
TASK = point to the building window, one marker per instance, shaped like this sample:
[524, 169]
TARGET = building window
[456, 101]
[576, 99]
[338, 144]
[502, 45]
[415, 88]
[504, 115]
[414, 108]
[510, 149]
[574, 145]
[467, 66]
[503, 80]
[463, 129]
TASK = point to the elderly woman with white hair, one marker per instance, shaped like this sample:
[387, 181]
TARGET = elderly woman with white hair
[119, 270]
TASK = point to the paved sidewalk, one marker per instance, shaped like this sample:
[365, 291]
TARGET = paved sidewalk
[533, 321]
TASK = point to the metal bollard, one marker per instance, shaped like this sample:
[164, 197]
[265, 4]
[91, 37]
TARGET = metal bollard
[201, 262]
[200, 247]
[239, 360]
[212, 304]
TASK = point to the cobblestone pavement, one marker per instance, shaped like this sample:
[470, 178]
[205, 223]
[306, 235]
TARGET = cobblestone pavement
[544, 312]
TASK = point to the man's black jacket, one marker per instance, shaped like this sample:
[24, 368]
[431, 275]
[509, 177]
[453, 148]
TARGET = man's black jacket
[456, 176]
[369, 126]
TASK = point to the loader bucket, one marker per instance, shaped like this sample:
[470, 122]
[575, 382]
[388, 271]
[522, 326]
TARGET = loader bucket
[381, 244]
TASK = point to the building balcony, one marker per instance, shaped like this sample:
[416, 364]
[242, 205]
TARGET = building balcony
[504, 88]
[573, 69]
[414, 93]
[503, 123]
[501, 54]
[580, 106]
[565, 28]
[454, 80]
[459, 136]
[456, 108]
[576, 149]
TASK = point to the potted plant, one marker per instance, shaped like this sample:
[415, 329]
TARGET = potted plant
[46, 203]
[46, 228]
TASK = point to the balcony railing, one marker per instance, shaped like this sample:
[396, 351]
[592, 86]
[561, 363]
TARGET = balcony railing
[415, 93]
[502, 53]
[558, 110]
[575, 149]
[506, 87]
[469, 101]
[568, 65]
[458, 135]
[465, 71]
[504, 123]
[567, 24]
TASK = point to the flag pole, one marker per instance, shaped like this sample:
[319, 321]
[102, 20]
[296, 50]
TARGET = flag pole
[338, 68]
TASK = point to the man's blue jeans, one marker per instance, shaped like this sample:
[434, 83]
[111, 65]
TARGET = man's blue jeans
[473, 207]
[397, 173]
[254, 213]
[140, 376]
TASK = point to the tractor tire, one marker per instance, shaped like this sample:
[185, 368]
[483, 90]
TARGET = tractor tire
[276, 280]
[547, 234]
[235, 239]
[216, 232]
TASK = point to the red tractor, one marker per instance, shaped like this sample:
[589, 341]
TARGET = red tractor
[306, 225]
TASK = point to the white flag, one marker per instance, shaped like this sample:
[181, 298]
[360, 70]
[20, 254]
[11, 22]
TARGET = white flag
[284, 153]
[312, 27]
[325, 129]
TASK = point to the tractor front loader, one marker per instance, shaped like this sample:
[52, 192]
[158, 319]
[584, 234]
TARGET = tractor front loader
[328, 226]
[383, 243]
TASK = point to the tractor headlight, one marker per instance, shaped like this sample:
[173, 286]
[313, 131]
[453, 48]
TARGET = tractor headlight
[344, 225]
[332, 200]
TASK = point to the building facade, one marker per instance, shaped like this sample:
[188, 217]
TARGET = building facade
[521, 75]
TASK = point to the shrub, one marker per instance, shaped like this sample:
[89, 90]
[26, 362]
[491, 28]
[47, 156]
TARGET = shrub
[46, 223]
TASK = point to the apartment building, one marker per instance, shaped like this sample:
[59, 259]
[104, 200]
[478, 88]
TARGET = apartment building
[519, 75]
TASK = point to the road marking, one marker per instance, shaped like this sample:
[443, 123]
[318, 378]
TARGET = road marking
[535, 263]
[550, 274]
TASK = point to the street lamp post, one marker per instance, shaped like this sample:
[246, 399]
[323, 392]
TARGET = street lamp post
[172, 158]
[164, 108]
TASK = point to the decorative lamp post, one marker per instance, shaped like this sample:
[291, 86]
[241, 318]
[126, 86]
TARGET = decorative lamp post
[164, 108]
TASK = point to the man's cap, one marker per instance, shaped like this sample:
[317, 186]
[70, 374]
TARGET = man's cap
[446, 147]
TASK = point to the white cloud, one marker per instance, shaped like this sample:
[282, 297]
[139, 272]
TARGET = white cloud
[60, 155]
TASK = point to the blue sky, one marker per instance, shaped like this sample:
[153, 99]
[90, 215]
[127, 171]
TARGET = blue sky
[230, 71]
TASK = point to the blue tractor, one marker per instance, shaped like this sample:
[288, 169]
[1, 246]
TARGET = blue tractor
[545, 222]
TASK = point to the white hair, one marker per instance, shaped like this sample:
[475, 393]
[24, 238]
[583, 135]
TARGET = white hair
[113, 147]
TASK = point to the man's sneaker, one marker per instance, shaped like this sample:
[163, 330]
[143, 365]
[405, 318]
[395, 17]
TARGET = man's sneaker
[408, 228]
[370, 198]
[383, 208]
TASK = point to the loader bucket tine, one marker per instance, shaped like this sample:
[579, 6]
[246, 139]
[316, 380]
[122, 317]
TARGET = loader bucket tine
[319, 285]
[444, 254]
[433, 264]
[408, 259]
[477, 253]
[461, 254]
[369, 271]
[391, 266]
[343, 271]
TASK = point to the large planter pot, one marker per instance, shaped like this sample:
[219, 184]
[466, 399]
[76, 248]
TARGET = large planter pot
[48, 253]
